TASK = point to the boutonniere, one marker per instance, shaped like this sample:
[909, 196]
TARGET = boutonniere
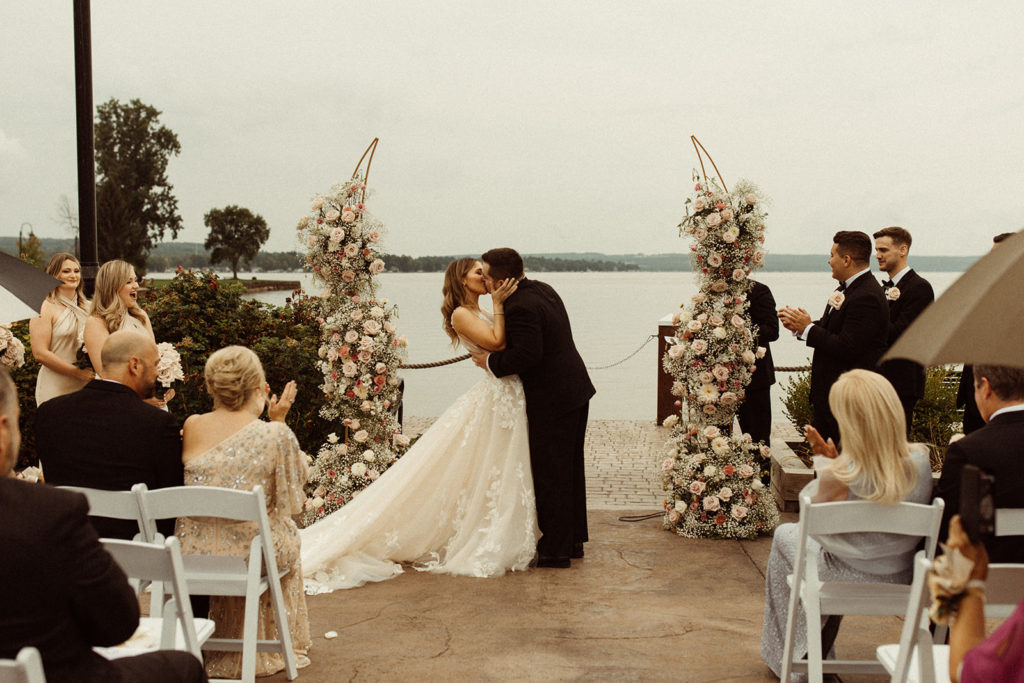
[836, 299]
[892, 294]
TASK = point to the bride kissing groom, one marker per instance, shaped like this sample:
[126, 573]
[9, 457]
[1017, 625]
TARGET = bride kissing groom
[540, 350]
[462, 500]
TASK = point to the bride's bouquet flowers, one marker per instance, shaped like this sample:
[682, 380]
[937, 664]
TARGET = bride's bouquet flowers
[168, 365]
[360, 350]
[12, 351]
[711, 474]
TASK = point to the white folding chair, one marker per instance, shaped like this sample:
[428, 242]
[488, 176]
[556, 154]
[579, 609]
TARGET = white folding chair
[916, 657]
[26, 668]
[177, 629]
[827, 598]
[116, 505]
[227, 574]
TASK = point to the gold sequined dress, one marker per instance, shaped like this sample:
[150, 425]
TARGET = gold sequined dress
[266, 454]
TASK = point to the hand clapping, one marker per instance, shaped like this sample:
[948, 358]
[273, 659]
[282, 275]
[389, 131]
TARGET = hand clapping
[794, 319]
[818, 445]
[278, 408]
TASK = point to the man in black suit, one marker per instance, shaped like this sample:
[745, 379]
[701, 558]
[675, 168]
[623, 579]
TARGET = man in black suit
[852, 331]
[908, 294]
[997, 449]
[61, 592]
[755, 413]
[540, 349]
[106, 436]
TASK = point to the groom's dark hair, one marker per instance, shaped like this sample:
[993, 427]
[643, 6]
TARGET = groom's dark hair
[503, 263]
[853, 243]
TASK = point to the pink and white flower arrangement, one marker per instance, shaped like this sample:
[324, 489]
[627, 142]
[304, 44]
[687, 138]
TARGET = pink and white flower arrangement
[12, 351]
[168, 365]
[713, 487]
[360, 352]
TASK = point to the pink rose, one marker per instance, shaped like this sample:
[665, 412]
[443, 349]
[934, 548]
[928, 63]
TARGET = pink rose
[350, 369]
[348, 275]
[719, 286]
[699, 346]
[348, 217]
[721, 373]
[356, 314]
[714, 260]
[332, 215]
[738, 321]
[351, 250]
[728, 471]
[746, 471]
[716, 320]
[739, 275]
[725, 493]
[699, 204]
[751, 199]
[706, 378]
[374, 236]
[728, 398]
[351, 336]
[713, 219]
[342, 351]
[318, 204]
[377, 267]
[380, 368]
[709, 409]
[711, 432]
[739, 512]
[693, 326]
[674, 517]
[711, 503]
[365, 355]
[728, 237]
[696, 487]
[371, 327]
[727, 215]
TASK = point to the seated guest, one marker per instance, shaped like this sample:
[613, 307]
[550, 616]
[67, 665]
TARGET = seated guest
[877, 464]
[996, 449]
[972, 657]
[61, 591]
[231, 447]
[105, 436]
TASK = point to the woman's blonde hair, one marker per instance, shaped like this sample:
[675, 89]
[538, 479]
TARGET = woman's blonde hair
[106, 304]
[875, 452]
[54, 267]
[454, 293]
[232, 374]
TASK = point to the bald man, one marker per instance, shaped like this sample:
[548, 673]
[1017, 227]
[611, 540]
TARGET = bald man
[106, 436]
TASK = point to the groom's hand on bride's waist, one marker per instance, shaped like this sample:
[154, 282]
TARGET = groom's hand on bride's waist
[480, 358]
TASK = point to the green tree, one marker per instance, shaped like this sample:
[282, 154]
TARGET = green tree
[135, 205]
[235, 233]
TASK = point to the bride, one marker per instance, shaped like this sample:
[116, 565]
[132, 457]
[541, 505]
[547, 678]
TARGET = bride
[460, 501]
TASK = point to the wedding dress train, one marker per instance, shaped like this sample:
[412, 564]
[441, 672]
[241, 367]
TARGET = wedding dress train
[460, 501]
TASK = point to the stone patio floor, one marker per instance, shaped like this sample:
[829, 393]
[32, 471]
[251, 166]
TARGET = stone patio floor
[643, 605]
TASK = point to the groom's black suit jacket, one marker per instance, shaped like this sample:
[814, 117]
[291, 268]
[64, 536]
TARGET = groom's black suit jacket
[540, 349]
[852, 337]
[105, 437]
[915, 295]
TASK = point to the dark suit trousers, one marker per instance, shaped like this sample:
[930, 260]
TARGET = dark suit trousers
[908, 403]
[755, 414]
[162, 665]
[556, 457]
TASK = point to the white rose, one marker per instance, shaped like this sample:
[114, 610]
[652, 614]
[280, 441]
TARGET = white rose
[719, 333]
[332, 437]
[725, 493]
[358, 469]
[680, 506]
[369, 456]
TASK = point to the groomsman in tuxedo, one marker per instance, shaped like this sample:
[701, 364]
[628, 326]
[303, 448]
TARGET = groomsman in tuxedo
[908, 294]
[755, 413]
[61, 592]
[106, 436]
[995, 448]
[852, 331]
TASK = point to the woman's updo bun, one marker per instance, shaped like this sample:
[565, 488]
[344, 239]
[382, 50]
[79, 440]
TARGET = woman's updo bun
[232, 374]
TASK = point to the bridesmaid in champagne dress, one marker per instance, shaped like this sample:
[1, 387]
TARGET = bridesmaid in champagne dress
[115, 306]
[56, 335]
[232, 448]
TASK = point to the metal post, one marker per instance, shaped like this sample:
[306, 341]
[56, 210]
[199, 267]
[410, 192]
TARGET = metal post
[86, 150]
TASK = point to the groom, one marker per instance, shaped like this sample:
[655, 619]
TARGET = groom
[541, 351]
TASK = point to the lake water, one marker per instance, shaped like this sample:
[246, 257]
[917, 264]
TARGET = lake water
[612, 314]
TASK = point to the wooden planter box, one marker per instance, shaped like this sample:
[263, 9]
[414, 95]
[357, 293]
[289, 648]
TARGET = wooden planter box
[789, 476]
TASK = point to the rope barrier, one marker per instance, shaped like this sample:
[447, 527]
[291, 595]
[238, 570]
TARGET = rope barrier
[457, 359]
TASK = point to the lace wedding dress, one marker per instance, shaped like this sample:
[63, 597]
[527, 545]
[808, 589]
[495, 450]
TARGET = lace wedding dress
[460, 501]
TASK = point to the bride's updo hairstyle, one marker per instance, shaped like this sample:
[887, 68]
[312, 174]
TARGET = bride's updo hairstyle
[106, 304]
[454, 293]
[232, 374]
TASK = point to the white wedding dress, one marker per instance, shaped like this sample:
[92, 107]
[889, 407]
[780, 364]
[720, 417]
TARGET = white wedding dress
[460, 501]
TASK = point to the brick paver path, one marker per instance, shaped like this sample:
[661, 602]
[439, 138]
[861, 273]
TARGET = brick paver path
[623, 461]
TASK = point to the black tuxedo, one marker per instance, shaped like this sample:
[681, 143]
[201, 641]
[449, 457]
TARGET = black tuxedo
[755, 413]
[998, 450]
[104, 436]
[852, 337]
[540, 349]
[63, 594]
[906, 376]
[965, 399]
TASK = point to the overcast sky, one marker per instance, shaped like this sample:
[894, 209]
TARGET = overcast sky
[546, 126]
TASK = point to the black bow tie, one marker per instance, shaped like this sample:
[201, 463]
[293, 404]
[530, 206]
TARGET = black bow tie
[841, 287]
[888, 283]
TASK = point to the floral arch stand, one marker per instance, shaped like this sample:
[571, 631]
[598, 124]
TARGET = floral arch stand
[712, 474]
[360, 350]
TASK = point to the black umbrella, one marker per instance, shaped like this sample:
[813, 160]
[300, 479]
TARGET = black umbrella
[23, 287]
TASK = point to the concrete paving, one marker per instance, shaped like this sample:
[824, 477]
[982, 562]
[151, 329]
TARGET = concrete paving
[643, 605]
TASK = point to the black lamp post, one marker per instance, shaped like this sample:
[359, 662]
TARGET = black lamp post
[86, 150]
